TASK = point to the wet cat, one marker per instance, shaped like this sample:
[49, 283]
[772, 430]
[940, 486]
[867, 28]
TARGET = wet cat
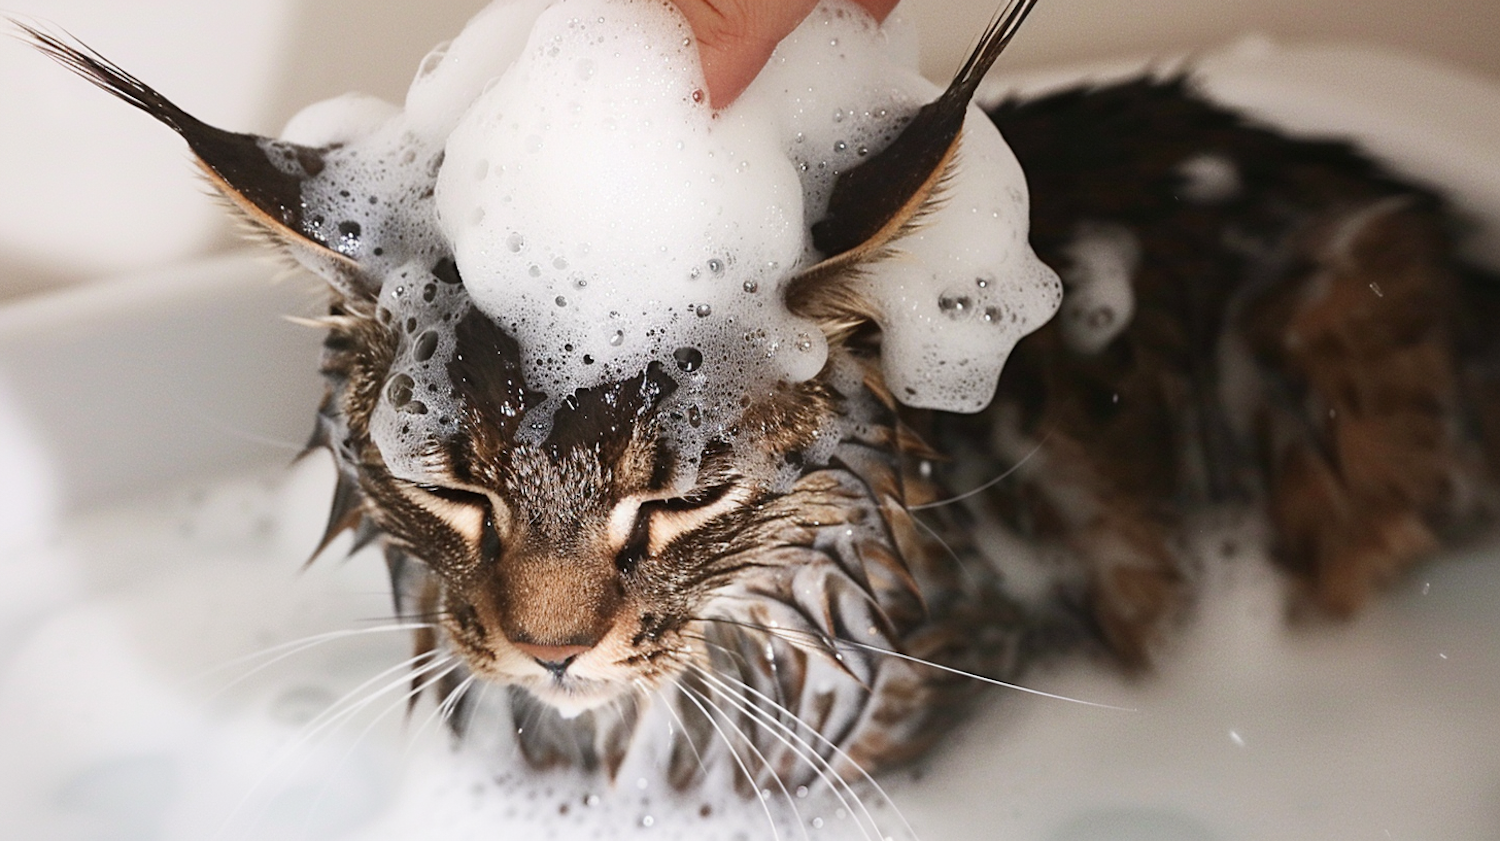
[1248, 319]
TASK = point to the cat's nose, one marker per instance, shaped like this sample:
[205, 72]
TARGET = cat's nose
[554, 658]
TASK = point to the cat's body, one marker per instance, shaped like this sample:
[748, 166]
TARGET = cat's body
[1249, 319]
[1295, 348]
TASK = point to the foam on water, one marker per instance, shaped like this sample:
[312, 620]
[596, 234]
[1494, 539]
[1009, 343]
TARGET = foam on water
[115, 727]
[564, 155]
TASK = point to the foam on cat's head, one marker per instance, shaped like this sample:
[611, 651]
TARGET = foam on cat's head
[600, 211]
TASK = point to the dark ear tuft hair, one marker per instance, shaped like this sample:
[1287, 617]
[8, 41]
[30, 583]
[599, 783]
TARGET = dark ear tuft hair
[262, 177]
[876, 203]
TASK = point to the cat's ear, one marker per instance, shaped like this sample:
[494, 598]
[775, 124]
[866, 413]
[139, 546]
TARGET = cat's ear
[261, 177]
[876, 203]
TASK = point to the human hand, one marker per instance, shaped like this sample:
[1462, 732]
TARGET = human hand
[736, 37]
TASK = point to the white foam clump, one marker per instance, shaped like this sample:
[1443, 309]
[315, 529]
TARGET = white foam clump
[1100, 300]
[608, 218]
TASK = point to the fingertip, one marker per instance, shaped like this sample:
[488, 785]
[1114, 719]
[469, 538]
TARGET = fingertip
[727, 72]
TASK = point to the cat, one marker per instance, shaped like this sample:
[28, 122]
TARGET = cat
[1248, 319]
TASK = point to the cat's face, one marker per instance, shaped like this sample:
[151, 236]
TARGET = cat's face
[577, 566]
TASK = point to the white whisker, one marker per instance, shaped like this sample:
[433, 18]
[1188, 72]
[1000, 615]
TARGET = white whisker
[681, 725]
[987, 485]
[812, 757]
[329, 718]
[835, 642]
[688, 693]
[413, 692]
[296, 646]
[840, 753]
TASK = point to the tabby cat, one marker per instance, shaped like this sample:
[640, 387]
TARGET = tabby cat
[1249, 320]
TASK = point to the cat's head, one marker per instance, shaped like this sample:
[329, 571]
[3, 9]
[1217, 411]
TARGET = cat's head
[578, 562]
[581, 541]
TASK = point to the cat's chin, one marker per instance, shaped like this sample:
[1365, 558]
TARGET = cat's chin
[575, 698]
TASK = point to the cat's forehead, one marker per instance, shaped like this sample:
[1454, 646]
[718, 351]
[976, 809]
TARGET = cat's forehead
[456, 401]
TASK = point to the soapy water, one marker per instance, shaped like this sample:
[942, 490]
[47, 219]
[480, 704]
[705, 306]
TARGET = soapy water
[575, 186]
[139, 700]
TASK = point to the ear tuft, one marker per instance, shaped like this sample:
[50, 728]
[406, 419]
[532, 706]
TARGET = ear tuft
[261, 177]
[875, 204]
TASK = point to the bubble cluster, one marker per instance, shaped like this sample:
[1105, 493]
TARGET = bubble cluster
[421, 305]
[1100, 303]
[562, 159]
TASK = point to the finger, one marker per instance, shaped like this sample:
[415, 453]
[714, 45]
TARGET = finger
[737, 37]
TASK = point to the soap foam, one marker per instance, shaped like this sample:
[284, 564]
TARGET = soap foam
[601, 213]
[565, 157]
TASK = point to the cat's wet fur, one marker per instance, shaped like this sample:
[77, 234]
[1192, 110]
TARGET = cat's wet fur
[1302, 342]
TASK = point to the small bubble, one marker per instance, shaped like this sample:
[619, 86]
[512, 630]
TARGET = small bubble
[993, 315]
[689, 359]
[515, 242]
[982, 282]
[694, 417]
[751, 286]
[426, 346]
[716, 266]
[862, 151]
[617, 338]
[838, 115]
[429, 292]
[956, 307]
[559, 263]
[697, 94]
[560, 301]
[694, 273]
[840, 146]
[647, 821]
[801, 791]
[817, 823]
[587, 359]
[804, 342]
[534, 270]
[703, 310]
[399, 390]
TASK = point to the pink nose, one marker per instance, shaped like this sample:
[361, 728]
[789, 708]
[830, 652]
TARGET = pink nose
[551, 653]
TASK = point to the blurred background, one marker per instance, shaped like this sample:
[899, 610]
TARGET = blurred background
[91, 189]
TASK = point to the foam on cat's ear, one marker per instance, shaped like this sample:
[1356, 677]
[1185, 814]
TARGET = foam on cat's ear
[876, 203]
[261, 177]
